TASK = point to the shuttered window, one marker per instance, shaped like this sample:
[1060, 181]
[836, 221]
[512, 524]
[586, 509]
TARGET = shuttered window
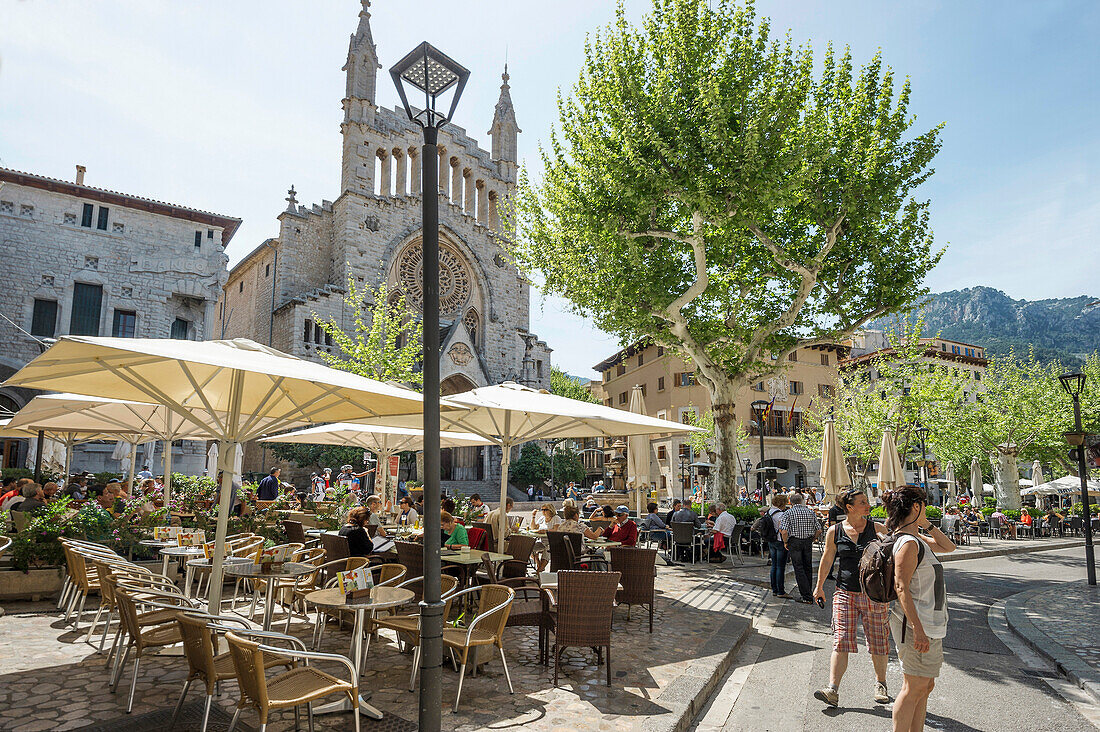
[181, 330]
[104, 214]
[86, 215]
[87, 300]
[44, 319]
[125, 324]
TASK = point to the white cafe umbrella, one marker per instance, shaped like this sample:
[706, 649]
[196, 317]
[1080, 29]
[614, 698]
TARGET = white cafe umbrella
[1066, 486]
[637, 451]
[976, 486]
[133, 422]
[509, 414]
[891, 475]
[949, 478]
[66, 438]
[212, 461]
[235, 391]
[834, 469]
[1037, 473]
[381, 440]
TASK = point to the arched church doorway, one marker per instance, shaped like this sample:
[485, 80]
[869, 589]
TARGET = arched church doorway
[460, 463]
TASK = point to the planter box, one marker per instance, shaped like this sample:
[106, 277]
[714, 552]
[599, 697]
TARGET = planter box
[33, 585]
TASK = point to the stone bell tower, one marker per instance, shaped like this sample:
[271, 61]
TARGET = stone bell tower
[505, 133]
[361, 70]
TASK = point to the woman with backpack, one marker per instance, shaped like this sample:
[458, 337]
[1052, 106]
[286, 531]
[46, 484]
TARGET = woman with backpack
[918, 620]
[846, 540]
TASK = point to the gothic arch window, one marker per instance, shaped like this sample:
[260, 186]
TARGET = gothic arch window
[472, 323]
[455, 280]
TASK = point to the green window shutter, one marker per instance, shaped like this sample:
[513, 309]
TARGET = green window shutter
[87, 300]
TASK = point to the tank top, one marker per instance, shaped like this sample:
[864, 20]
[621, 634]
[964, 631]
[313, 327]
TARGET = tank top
[849, 553]
[929, 592]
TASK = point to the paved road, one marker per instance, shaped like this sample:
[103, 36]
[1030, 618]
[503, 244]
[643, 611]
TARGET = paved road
[984, 684]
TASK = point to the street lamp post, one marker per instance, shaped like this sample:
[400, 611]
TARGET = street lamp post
[683, 475]
[922, 434]
[428, 70]
[759, 406]
[553, 444]
[1074, 383]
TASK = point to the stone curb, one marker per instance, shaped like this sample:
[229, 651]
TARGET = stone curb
[1079, 672]
[983, 554]
[686, 696]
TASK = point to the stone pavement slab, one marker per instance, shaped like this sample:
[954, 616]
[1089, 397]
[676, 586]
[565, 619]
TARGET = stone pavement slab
[1064, 625]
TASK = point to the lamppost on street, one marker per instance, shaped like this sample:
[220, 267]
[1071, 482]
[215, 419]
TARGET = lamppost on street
[922, 434]
[683, 474]
[554, 441]
[759, 406]
[428, 70]
[1074, 383]
[748, 467]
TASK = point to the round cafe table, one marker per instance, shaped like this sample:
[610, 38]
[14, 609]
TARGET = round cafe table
[204, 563]
[178, 552]
[381, 598]
[287, 570]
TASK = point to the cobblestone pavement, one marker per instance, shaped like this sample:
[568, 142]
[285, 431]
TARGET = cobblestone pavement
[1070, 616]
[51, 679]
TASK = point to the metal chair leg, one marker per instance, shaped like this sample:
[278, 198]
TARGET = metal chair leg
[133, 683]
[79, 613]
[106, 629]
[179, 704]
[458, 694]
[507, 675]
[120, 666]
[309, 714]
[233, 722]
[113, 653]
[355, 708]
[415, 668]
[297, 718]
[206, 712]
[66, 587]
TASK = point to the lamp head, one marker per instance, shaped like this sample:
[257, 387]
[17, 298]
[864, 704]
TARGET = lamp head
[431, 72]
[1073, 383]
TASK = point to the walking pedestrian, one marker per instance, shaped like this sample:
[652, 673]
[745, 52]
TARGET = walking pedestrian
[846, 541]
[921, 606]
[776, 550]
[799, 529]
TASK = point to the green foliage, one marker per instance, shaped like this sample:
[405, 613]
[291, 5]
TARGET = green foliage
[532, 467]
[105, 477]
[386, 341]
[568, 467]
[745, 514]
[933, 513]
[708, 188]
[565, 385]
[879, 512]
[331, 515]
[316, 457]
[16, 473]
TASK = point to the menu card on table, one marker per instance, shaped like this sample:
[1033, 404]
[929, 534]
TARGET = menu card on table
[275, 555]
[355, 581]
[165, 533]
[195, 537]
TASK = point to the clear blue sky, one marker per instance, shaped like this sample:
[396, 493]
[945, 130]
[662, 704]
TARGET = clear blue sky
[222, 106]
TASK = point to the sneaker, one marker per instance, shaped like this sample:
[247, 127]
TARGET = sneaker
[827, 695]
[882, 696]
[784, 595]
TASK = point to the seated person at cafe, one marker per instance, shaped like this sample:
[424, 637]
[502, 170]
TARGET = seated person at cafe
[33, 499]
[1005, 521]
[374, 520]
[543, 520]
[77, 488]
[408, 514]
[454, 531]
[677, 504]
[685, 515]
[478, 510]
[1025, 517]
[9, 489]
[108, 498]
[970, 518]
[655, 525]
[289, 497]
[571, 524]
[1054, 521]
[623, 530]
[49, 491]
[498, 519]
[447, 504]
[359, 541]
[724, 522]
[590, 505]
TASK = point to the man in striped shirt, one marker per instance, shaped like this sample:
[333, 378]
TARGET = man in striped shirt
[798, 528]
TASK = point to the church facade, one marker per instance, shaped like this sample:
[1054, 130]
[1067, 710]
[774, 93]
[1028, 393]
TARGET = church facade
[371, 233]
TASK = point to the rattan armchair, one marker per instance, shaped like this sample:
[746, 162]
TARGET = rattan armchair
[407, 625]
[567, 552]
[638, 568]
[411, 554]
[292, 689]
[583, 605]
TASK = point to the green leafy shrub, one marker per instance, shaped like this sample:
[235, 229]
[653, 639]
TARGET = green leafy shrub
[934, 513]
[878, 512]
[16, 473]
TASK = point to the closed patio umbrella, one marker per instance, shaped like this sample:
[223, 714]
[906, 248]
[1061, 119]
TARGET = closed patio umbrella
[234, 391]
[381, 440]
[1036, 473]
[949, 478]
[638, 449]
[891, 474]
[509, 414]
[834, 469]
[976, 486]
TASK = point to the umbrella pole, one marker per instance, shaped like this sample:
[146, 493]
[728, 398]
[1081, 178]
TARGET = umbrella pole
[168, 479]
[133, 467]
[505, 462]
[227, 451]
[68, 461]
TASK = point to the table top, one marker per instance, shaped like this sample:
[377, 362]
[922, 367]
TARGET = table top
[549, 581]
[156, 544]
[380, 598]
[602, 543]
[181, 551]
[472, 557]
[204, 562]
[288, 569]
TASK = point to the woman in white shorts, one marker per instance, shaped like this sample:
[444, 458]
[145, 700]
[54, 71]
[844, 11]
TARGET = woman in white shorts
[918, 619]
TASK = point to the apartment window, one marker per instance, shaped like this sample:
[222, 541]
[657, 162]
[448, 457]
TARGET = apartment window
[977, 376]
[662, 453]
[660, 383]
[824, 359]
[622, 397]
[608, 403]
[796, 388]
[318, 334]
[607, 375]
[198, 240]
[620, 370]
[328, 340]
[758, 386]
[267, 269]
[685, 450]
[44, 319]
[943, 347]
[104, 214]
[793, 356]
[240, 286]
[825, 390]
[644, 390]
[125, 324]
[87, 300]
[181, 330]
[86, 216]
[685, 378]
[209, 233]
[538, 369]
[660, 351]
[640, 359]
[687, 415]
[307, 335]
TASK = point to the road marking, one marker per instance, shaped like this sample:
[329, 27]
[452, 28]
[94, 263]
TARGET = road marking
[1043, 668]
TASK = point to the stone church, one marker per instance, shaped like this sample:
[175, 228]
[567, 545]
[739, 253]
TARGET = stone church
[371, 233]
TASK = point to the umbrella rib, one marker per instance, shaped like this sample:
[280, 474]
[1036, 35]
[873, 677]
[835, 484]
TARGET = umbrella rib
[222, 426]
[284, 419]
[167, 401]
[276, 385]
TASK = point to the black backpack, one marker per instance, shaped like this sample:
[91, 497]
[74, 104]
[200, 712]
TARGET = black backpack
[876, 568]
[765, 528]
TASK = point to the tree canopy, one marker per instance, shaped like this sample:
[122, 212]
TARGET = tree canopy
[565, 385]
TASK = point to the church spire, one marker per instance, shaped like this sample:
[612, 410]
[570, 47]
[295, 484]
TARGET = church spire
[505, 131]
[361, 68]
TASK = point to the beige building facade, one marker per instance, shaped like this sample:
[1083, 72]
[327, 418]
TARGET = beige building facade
[671, 392]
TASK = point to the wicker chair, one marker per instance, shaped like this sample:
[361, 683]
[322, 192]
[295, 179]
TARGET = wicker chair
[582, 610]
[566, 551]
[291, 689]
[683, 534]
[335, 546]
[325, 576]
[204, 663]
[141, 637]
[530, 610]
[406, 624]
[295, 531]
[411, 554]
[487, 629]
[638, 568]
[520, 548]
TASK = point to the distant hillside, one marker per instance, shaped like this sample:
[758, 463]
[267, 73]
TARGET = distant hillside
[1066, 329]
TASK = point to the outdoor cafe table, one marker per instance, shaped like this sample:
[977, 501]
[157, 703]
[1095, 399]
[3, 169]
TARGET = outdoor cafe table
[287, 570]
[181, 552]
[381, 598]
[204, 563]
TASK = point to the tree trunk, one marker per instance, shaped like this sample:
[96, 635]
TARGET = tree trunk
[1006, 477]
[722, 398]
